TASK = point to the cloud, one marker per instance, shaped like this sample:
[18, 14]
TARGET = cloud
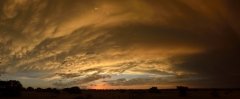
[83, 41]
[77, 82]
[149, 81]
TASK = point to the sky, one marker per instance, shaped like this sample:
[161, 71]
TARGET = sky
[120, 44]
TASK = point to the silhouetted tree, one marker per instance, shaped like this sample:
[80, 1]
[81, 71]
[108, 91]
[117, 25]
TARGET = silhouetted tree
[73, 90]
[154, 90]
[10, 88]
[48, 90]
[30, 89]
[51, 90]
[182, 90]
[39, 90]
[56, 91]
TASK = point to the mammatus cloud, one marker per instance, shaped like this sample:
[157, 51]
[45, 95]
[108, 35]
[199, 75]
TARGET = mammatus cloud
[73, 42]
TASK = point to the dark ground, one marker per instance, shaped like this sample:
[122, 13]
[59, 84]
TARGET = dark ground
[133, 94]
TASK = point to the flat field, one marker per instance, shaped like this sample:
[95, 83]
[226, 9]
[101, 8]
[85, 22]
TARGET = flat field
[131, 94]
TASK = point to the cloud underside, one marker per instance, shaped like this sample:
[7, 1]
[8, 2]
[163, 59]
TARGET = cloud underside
[120, 43]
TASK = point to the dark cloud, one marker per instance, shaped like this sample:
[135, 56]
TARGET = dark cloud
[136, 81]
[172, 81]
[69, 75]
[85, 80]
[219, 66]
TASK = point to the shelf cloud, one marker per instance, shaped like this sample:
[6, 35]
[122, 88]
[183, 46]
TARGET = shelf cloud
[120, 43]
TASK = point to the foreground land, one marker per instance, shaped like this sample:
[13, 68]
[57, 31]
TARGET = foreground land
[132, 94]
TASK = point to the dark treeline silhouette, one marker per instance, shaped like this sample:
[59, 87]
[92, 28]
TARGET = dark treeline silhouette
[49, 90]
[73, 90]
[154, 90]
[13, 88]
[30, 89]
[10, 88]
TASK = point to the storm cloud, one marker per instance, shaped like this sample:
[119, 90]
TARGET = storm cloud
[101, 41]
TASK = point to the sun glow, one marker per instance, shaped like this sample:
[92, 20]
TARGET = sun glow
[98, 86]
